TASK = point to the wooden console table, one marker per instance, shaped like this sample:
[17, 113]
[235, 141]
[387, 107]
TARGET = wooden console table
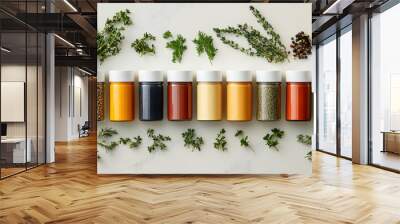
[391, 141]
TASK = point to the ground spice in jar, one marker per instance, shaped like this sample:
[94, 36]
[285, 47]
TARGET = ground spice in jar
[100, 99]
[268, 95]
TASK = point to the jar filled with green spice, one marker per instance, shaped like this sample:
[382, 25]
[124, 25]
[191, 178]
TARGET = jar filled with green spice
[268, 95]
[100, 97]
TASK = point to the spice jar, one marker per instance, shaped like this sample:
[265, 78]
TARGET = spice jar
[209, 95]
[100, 97]
[268, 95]
[298, 96]
[239, 95]
[122, 96]
[151, 95]
[179, 95]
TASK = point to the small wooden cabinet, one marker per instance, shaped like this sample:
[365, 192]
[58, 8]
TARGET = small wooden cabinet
[391, 142]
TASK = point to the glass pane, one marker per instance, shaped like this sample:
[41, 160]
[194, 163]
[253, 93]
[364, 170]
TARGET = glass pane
[385, 84]
[346, 94]
[327, 97]
[31, 98]
[13, 86]
[41, 99]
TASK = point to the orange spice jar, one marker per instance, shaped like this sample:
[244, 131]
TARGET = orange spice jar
[239, 96]
[298, 95]
[122, 95]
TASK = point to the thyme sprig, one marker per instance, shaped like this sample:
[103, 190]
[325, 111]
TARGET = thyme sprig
[131, 142]
[272, 138]
[177, 46]
[191, 140]
[158, 141]
[269, 47]
[204, 44]
[142, 46]
[220, 141]
[244, 139]
[109, 39]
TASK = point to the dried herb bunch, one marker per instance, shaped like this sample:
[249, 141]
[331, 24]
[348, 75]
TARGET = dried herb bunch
[110, 38]
[191, 140]
[131, 142]
[272, 139]
[158, 141]
[304, 139]
[301, 45]
[244, 139]
[142, 46]
[269, 47]
[177, 46]
[204, 44]
[106, 133]
[220, 141]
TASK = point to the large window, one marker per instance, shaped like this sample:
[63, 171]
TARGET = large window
[327, 96]
[385, 89]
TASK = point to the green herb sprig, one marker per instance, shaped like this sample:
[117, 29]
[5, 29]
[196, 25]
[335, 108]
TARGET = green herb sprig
[304, 139]
[177, 46]
[191, 140]
[132, 143]
[269, 47]
[108, 145]
[244, 140]
[272, 139]
[220, 141]
[142, 46]
[158, 141]
[109, 39]
[204, 44]
[308, 156]
[107, 133]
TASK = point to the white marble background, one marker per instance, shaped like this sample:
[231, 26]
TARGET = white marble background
[188, 19]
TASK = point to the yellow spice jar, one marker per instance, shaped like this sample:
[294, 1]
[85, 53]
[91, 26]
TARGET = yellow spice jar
[122, 96]
[239, 95]
[209, 96]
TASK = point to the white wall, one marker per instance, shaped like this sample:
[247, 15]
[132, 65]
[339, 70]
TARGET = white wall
[68, 81]
[188, 19]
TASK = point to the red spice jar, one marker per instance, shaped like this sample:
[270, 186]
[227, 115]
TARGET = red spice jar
[298, 95]
[179, 95]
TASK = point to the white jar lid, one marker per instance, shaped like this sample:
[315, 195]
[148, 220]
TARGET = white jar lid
[238, 76]
[150, 76]
[298, 76]
[209, 76]
[268, 76]
[180, 76]
[101, 77]
[121, 76]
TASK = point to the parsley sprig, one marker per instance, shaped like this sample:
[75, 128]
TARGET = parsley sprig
[220, 141]
[191, 140]
[272, 139]
[177, 46]
[158, 141]
[204, 44]
[142, 46]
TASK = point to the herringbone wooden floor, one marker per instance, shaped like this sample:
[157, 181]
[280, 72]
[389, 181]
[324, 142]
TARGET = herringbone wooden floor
[69, 191]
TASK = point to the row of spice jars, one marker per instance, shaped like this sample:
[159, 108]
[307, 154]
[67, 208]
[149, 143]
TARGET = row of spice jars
[209, 95]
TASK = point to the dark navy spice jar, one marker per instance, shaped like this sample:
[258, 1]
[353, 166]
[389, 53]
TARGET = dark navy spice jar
[151, 95]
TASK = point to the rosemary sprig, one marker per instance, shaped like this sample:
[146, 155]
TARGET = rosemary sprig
[269, 47]
[142, 47]
[191, 140]
[220, 141]
[244, 140]
[158, 141]
[272, 139]
[204, 44]
[177, 46]
[107, 133]
[109, 146]
[304, 139]
[109, 39]
[132, 143]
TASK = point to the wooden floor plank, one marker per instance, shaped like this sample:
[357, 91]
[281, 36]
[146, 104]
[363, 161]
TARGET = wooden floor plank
[70, 191]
